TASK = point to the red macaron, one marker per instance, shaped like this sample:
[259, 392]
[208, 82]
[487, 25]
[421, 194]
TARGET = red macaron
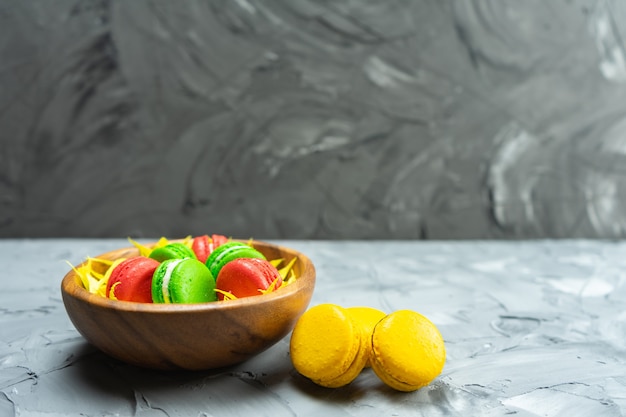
[246, 277]
[131, 280]
[204, 245]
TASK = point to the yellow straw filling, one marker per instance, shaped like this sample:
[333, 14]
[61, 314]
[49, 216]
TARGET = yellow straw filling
[95, 272]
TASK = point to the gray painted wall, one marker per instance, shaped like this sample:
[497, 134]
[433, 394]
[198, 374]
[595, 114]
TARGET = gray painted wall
[313, 119]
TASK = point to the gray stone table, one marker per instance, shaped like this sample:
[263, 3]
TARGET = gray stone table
[531, 329]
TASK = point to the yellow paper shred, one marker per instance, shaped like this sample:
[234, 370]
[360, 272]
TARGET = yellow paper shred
[276, 262]
[187, 241]
[284, 271]
[94, 274]
[291, 278]
[91, 272]
[227, 296]
[88, 281]
[272, 286]
[112, 292]
[105, 280]
[143, 250]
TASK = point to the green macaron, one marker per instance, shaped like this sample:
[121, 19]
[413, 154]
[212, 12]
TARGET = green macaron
[184, 281]
[229, 251]
[174, 250]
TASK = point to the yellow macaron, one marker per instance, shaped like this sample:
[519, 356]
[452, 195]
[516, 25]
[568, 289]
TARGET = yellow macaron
[367, 318]
[328, 346]
[407, 350]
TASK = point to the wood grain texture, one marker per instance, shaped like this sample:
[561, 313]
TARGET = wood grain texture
[194, 336]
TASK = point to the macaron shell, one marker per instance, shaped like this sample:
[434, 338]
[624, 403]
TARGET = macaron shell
[245, 277]
[174, 250]
[157, 281]
[131, 280]
[204, 245]
[408, 351]
[201, 247]
[355, 367]
[391, 381]
[192, 282]
[367, 318]
[218, 240]
[324, 343]
[189, 281]
[229, 251]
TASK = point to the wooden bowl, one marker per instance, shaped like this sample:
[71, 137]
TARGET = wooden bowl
[190, 336]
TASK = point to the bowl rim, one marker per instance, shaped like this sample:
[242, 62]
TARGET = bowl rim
[70, 287]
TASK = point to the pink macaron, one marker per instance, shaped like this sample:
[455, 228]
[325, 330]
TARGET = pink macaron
[246, 277]
[131, 280]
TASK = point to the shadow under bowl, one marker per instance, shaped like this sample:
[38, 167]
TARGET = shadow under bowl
[190, 336]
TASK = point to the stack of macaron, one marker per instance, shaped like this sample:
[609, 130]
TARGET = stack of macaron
[331, 345]
[197, 270]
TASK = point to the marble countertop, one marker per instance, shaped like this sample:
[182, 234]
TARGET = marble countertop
[531, 329]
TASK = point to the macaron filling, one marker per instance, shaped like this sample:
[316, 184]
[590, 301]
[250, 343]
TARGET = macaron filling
[229, 250]
[384, 374]
[183, 281]
[167, 276]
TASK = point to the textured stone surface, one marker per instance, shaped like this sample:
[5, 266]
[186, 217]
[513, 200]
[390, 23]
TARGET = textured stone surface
[308, 119]
[531, 329]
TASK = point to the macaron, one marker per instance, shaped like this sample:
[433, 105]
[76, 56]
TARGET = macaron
[203, 245]
[229, 251]
[131, 280]
[174, 250]
[246, 277]
[328, 346]
[185, 281]
[367, 318]
[408, 351]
